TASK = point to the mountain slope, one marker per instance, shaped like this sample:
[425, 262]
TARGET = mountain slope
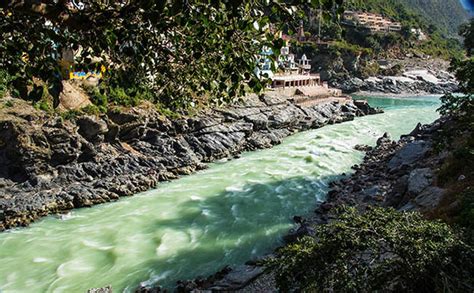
[447, 15]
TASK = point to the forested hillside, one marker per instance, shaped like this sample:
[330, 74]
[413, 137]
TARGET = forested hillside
[448, 15]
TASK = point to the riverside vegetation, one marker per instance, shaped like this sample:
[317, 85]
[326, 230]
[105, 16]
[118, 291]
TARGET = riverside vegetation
[401, 222]
[367, 249]
[174, 54]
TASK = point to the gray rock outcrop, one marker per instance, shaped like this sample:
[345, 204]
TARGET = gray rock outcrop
[48, 164]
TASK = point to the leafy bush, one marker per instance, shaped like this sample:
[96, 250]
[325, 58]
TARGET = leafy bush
[5, 82]
[99, 98]
[41, 97]
[394, 70]
[105, 94]
[178, 50]
[369, 69]
[466, 215]
[9, 104]
[379, 250]
[462, 106]
[71, 114]
[92, 110]
[343, 45]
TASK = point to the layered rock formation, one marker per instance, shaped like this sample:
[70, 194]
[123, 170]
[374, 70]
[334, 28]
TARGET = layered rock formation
[49, 164]
[410, 82]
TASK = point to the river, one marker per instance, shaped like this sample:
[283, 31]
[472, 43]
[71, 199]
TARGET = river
[227, 214]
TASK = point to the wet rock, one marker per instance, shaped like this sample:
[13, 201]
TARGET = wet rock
[107, 289]
[386, 138]
[304, 229]
[144, 288]
[237, 278]
[363, 148]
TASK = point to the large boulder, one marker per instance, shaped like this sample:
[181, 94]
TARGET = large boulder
[419, 179]
[409, 154]
[237, 278]
[72, 97]
[427, 200]
[92, 128]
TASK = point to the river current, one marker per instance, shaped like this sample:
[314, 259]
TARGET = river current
[225, 215]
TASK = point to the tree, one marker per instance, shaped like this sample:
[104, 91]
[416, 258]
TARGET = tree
[178, 50]
[381, 250]
[456, 105]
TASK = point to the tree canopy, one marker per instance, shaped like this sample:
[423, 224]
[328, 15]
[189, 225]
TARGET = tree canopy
[463, 105]
[179, 51]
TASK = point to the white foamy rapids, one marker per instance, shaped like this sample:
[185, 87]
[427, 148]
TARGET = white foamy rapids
[196, 198]
[40, 259]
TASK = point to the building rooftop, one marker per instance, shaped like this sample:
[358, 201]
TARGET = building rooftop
[292, 77]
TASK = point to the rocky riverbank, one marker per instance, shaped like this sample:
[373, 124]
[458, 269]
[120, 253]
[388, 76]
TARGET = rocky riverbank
[404, 77]
[400, 174]
[415, 82]
[49, 164]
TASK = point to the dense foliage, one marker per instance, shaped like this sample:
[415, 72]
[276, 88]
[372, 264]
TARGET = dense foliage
[379, 250]
[463, 105]
[176, 52]
[460, 137]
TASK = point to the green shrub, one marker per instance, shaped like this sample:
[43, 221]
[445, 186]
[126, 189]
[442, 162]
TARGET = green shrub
[105, 94]
[380, 250]
[119, 96]
[369, 69]
[5, 81]
[9, 104]
[466, 216]
[98, 96]
[43, 105]
[343, 45]
[71, 114]
[41, 98]
[93, 110]
[167, 112]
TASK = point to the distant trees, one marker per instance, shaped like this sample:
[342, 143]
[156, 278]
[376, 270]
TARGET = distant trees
[173, 51]
[464, 70]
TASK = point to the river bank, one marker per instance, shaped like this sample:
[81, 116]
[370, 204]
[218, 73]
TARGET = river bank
[51, 165]
[201, 222]
[403, 77]
[402, 174]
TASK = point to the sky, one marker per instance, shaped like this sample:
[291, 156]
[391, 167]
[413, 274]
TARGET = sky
[468, 4]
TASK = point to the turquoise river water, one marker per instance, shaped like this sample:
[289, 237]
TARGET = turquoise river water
[227, 214]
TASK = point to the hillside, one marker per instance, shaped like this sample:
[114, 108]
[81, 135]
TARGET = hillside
[447, 15]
